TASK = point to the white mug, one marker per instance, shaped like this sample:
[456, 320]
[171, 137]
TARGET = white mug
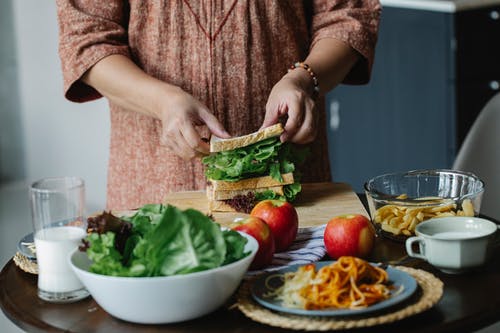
[452, 244]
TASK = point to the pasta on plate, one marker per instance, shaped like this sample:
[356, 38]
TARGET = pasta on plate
[348, 283]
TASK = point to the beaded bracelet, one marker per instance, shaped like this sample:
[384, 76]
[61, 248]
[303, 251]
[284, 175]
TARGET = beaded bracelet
[309, 70]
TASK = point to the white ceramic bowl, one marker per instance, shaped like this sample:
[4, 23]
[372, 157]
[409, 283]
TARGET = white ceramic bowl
[168, 299]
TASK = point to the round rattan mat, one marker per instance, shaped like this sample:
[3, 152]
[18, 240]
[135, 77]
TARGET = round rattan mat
[25, 264]
[428, 294]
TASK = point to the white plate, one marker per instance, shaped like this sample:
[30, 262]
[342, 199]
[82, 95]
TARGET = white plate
[398, 278]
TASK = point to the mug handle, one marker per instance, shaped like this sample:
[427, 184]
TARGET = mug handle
[409, 247]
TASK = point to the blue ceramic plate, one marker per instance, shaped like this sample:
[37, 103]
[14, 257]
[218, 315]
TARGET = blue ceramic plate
[396, 277]
[24, 249]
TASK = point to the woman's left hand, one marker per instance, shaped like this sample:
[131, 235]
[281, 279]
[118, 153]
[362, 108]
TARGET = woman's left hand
[292, 97]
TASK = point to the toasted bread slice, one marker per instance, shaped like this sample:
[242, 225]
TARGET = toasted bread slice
[218, 144]
[229, 194]
[251, 183]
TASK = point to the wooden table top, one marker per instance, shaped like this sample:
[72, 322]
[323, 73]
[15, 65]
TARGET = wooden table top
[470, 301]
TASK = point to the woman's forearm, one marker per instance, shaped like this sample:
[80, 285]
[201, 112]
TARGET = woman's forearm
[331, 60]
[125, 84]
[121, 81]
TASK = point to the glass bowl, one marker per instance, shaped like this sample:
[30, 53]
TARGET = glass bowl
[398, 202]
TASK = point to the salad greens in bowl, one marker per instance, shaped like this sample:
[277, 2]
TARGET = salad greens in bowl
[162, 264]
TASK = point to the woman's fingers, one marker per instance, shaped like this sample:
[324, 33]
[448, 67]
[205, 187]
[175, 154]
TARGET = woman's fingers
[273, 113]
[192, 139]
[186, 141]
[307, 130]
[213, 124]
[295, 118]
[183, 140]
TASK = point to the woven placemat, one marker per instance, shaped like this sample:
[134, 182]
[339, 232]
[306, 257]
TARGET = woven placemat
[428, 294]
[25, 264]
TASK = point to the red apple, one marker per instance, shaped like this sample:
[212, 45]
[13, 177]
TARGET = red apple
[349, 235]
[282, 218]
[259, 230]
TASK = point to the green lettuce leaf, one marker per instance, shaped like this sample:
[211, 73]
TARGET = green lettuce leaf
[290, 193]
[246, 162]
[105, 257]
[235, 245]
[292, 190]
[166, 241]
[269, 157]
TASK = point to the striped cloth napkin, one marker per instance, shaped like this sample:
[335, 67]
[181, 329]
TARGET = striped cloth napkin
[308, 247]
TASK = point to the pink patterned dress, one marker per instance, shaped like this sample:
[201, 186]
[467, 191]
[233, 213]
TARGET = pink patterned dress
[226, 53]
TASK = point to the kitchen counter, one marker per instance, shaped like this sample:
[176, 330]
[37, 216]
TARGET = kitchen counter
[449, 6]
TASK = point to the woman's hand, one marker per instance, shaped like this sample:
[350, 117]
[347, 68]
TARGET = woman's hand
[331, 60]
[181, 114]
[292, 97]
[126, 85]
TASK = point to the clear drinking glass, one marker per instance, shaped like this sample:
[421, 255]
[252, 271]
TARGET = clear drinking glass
[57, 208]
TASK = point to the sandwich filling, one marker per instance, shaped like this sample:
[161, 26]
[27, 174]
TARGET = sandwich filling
[263, 170]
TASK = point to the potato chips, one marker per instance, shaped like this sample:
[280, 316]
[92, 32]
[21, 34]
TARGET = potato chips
[402, 220]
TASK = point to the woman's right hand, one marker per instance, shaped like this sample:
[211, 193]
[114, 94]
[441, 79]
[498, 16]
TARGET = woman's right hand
[180, 114]
[126, 85]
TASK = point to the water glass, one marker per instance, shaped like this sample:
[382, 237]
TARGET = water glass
[57, 208]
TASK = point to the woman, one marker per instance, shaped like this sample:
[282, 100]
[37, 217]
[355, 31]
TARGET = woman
[175, 72]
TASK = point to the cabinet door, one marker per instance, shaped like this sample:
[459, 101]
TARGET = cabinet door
[404, 118]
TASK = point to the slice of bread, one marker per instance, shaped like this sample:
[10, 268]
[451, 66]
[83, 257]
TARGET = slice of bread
[217, 144]
[251, 183]
[229, 194]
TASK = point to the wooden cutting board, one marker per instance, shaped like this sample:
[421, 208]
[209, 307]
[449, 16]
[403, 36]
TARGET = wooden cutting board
[316, 205]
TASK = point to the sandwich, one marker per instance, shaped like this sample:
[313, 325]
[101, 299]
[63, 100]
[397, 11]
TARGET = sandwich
[244, 170]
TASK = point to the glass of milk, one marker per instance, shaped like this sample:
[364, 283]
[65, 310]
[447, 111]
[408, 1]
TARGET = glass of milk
[57, 209]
